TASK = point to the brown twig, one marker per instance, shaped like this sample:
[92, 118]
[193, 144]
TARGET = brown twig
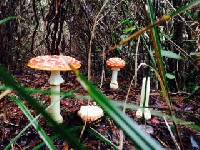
[135, 35]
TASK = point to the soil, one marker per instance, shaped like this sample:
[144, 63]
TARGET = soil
[12, 119]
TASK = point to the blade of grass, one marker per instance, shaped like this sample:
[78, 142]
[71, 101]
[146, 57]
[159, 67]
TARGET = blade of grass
[58, 128]
[68, 94]
[159, 22]
[39, 146]
[12, 141]
[35, 124]
[184, 8]
[141, 139]
[6, 20]
[160, 65]
[23, 130]
[55, 137]
[101, 137]
[134, 107]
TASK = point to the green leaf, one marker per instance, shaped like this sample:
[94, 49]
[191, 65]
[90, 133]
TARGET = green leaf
[129, 30]
[170, 54]
[6, 20]
[102, 138]
[185, 7]
[134, 107]
[170, 76]
[39, 146]
[55, 137]
[130, 127]
[127, 22]
[35, 124]
[61, 129]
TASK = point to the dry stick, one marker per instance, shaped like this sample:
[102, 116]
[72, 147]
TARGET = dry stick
[171, 133]
[163, 143]
[108, 11]
[135, 35]
[136, 56]
[166, 95]
[92, 37]
[103, 69]
[180, 16]
[83, 129]
[124, 107]
[179, 48]
[4, 93]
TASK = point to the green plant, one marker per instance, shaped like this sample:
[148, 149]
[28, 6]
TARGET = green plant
[130, 127]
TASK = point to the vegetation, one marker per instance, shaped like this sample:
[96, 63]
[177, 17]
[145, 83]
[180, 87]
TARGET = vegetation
[161, 36]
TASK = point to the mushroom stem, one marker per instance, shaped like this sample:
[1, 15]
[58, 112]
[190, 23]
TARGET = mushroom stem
[55, 80]
[147, 113]
[114, 83]
[144, 100]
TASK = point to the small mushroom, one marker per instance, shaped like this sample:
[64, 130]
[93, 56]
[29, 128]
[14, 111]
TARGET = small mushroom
[55, 64]
[144, 100]
[115, 64]
[90, 113]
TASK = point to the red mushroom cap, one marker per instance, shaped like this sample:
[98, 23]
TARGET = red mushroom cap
[54, 63]
[115, 63]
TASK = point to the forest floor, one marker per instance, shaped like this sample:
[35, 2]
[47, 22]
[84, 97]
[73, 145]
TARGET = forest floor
[12, 119]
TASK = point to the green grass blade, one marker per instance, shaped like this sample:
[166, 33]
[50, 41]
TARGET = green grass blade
[58, 128]
[35, 124]
[160, 64]
[39, 146]
[18, 135]
[102, 138]
[134, 107]
[55, 137]
[141, 139]
[158, 56]
[185, 7]
[159, 22]
[6, 20]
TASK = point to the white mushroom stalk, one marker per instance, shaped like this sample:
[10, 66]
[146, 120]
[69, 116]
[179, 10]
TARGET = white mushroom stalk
[115, 64]
[114, 83]
[54, 110]
[144, 100]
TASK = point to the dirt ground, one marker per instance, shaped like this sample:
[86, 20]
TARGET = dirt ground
[12, 119]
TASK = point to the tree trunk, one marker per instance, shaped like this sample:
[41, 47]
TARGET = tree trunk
[8, 33]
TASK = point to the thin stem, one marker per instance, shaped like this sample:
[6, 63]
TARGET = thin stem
[184, 8]
[124, 107]
[136, 57]
[92, 37]
[160, 65]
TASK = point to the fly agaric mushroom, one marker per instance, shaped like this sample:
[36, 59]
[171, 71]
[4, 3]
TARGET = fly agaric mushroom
[90, 113]
[115, 64]
[55, 64]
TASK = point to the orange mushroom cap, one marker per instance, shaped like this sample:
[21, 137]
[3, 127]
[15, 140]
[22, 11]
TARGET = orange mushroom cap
[115, 62]
[54, 63]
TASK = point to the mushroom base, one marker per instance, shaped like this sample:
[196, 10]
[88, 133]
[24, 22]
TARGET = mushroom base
[56, 117]
[114, 83]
